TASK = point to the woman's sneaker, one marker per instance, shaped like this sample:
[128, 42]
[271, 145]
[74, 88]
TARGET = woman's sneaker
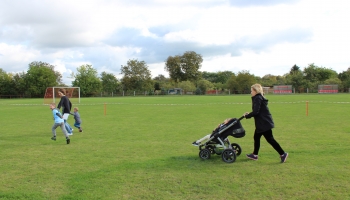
[252, 156]
[284, 157]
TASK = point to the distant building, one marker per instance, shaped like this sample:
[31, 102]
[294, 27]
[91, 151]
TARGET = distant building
[175, 91]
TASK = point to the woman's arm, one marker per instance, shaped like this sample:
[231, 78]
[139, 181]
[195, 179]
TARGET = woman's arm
[256, 108]
[60, 103]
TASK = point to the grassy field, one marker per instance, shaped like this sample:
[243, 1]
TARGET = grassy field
[140, 148]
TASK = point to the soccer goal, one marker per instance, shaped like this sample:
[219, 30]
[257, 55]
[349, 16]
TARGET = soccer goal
[51, 94]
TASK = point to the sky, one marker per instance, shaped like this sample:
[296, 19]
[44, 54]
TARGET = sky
[259, 36]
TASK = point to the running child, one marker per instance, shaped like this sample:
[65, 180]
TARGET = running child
[59, 122]
[77, 119]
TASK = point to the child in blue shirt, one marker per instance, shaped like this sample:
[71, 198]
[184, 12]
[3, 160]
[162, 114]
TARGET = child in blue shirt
[77, 119]
[59, 122]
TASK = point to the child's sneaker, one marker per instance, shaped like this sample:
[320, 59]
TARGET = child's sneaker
[196, 144]
[68, 140]
[284, 157]
[53, 138]
[252, 156]
[80, 130]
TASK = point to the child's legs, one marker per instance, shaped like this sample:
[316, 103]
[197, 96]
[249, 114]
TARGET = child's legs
[63, 128]
[76, 124]
[67, 127]
[203, 138]
[55, 125]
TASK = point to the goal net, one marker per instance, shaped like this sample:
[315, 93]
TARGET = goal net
[51, 94]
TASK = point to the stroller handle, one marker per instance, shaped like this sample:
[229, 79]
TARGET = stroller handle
[239, 119]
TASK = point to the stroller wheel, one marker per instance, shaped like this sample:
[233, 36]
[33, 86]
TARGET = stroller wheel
[236, 148]
[228, 156]
[204, 154]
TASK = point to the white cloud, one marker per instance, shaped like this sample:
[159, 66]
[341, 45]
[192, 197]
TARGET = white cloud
[264, 37]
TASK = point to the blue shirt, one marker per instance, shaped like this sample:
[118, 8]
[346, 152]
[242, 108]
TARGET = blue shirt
[57, 119]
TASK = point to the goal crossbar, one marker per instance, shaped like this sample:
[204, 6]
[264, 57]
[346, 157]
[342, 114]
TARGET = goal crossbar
[51, 94]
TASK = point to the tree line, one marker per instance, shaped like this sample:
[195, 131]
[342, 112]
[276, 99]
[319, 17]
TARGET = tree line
[183, 70]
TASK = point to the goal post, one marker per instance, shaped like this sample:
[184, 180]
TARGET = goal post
[51, 94]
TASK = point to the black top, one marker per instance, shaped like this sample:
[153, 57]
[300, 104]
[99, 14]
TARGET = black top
[262, 116]
[65, 103]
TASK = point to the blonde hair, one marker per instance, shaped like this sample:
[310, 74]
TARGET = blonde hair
[62, 90]
[76, 108]
[258, 89]
[53, 104]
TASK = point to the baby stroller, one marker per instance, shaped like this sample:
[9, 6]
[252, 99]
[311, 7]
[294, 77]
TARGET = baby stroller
[220, 144]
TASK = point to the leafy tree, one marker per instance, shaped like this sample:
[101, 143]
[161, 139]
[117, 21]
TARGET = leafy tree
[157, 86]
[109, 82]
[137, 76]
[204, 85]
[281, 80]
[6, 84]
[232, 84]
[217, 77]
[333, 81]
[41, 75]
[219, 86]
[19, 83]
[318, 74]
[244, 81]
[87, 79]
[294, 69]
[315, 76]
[296, 79]
[184, 67]
[209, 76]
[345, 79]
[162, 82]
[223, 76]
[268, 80]
[187, 86]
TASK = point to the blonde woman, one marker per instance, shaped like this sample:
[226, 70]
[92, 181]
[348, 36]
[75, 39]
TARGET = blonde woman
[263, 123]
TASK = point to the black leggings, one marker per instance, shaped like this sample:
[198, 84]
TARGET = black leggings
[269, 138]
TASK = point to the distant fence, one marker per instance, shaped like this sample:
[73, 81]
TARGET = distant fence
[12, 96]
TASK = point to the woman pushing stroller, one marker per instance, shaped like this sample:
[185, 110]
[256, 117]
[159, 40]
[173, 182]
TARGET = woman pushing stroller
[263, 123]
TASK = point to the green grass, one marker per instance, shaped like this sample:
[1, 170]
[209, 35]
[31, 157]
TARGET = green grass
[140, 148]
